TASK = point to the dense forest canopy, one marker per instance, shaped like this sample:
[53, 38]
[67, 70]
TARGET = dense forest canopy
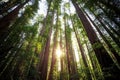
[59, 39]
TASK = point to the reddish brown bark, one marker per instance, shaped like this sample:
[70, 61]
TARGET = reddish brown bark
[103, 57]
[107, 42]
[44, 64]
[69, 53]
[6, 20]
[43, 69]
[53, 58]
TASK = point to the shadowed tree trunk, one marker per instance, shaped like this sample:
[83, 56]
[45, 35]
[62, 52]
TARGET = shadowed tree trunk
[7, 6]
[69, 52]
[44, 67]
[107, 42]
[54, 55]
[82, 52]
[104, 59]
[116, 40]
[6, 20]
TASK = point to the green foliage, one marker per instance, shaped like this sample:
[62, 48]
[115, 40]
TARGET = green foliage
[26, 44]
[97, 45]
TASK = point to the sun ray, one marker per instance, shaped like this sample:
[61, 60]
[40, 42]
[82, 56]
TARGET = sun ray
[58, 52]
[58, 56]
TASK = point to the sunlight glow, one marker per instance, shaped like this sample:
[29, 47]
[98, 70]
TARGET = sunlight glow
[58, 55]
[74, 41]
[58, 52]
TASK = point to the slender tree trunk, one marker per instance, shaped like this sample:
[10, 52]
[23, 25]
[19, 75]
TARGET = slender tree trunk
[44, 66]
[67, 54]
[101, 54]
[5, 67]
[117, 41]
[118, 24]
[6, 20]
[8, 6]
[82, 53]
[111, 6]
[62, 57]
[107, 42]
[43, 69]
[53, 62]
[70, 53]
[45, 20]
[115, 31]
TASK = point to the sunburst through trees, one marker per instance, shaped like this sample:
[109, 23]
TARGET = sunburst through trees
[59, 40]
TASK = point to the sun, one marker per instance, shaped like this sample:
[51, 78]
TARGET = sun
[58, 52]
[58, 55]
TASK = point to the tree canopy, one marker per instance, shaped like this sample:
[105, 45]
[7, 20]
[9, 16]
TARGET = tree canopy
[59, 39]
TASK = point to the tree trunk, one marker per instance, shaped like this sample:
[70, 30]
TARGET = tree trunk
[53, 62]
[104, 59]
[43, 69]
[107, 42]
[6, 20]
[82, 53]
[45, 20]
[44, 66]
[7, 6]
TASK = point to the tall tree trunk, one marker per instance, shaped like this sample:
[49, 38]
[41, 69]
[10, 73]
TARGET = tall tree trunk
[82, 53]
[116, 40]
[45, 20]
[44, 66]
[107, 42]
[104, 59]
[69, 53]
[43, 69]
[6, 20]
[53, 62]
[118, 24]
